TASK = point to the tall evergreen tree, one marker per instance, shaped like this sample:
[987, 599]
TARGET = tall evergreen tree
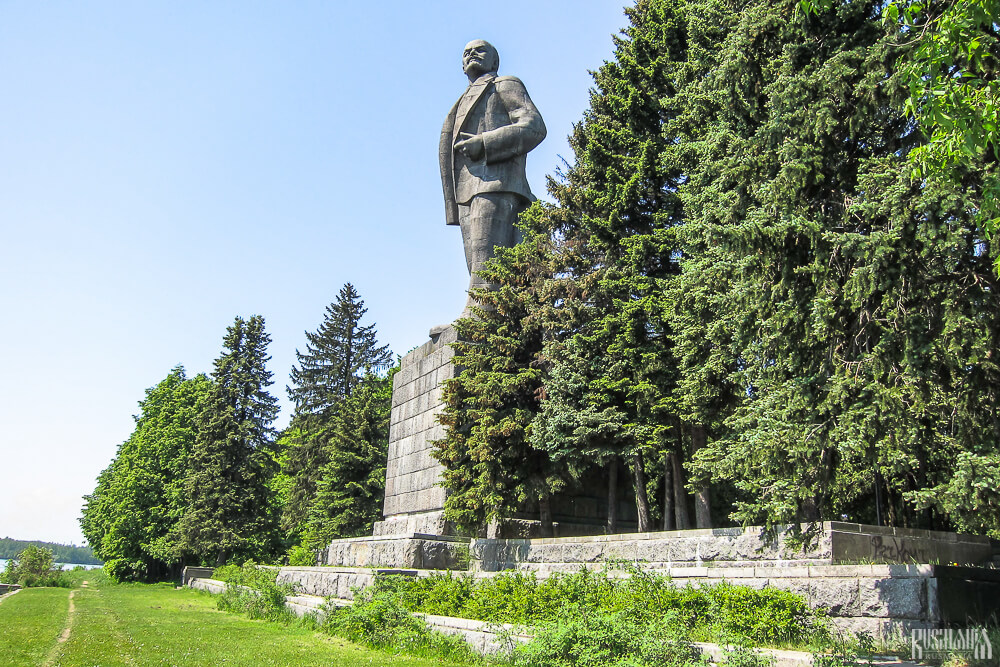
[229, 515]
[338, 355]
[741, 265]
[842, 314]
[609, 395]
[130, 517]
[350, 486]
[581, 369]
[492, 470]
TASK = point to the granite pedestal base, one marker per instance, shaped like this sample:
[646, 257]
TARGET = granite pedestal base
[414, 502]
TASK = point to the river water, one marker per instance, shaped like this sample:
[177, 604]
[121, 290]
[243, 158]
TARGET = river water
[65, 566]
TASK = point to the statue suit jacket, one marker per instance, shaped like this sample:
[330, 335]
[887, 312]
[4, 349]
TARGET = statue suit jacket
[499, 109]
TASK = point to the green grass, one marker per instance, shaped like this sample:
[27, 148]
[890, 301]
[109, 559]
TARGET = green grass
[138, 624]
[30, 624]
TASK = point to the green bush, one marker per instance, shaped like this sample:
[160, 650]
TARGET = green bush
[33, 567]
[765, 616]
[301, 556]
[379, 619]
[123, 569]
[620, 640]
[254, 591]
[719, 612]
[739, 656]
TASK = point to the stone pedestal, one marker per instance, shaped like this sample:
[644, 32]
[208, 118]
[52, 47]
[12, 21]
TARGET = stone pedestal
[414, 503]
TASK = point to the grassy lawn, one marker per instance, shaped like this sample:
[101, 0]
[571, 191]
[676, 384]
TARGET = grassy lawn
[136, 624]
[30, 624]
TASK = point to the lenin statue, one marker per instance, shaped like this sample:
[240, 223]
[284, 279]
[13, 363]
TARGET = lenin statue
[484, 141]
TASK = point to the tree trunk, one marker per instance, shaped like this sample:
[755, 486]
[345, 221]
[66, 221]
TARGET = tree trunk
[545, 514]
[680, 497]
[641, 499]
[612, 526]
[702, 499]
[668, 494]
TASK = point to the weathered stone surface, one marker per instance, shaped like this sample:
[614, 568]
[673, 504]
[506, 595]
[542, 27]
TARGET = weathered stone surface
[211, 585]
[325, 581]
[838, 595]
[413, 499]
[730, 547]
[410, 551]
[881, 544]
[483, 637]
[797, 585]
[894, 598]
[191, 572]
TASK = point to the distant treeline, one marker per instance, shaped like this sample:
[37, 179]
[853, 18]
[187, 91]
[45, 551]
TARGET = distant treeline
[62, 553]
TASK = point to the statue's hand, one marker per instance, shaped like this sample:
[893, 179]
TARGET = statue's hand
[470, 145]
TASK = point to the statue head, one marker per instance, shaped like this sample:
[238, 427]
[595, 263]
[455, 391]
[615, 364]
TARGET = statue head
[478, 58]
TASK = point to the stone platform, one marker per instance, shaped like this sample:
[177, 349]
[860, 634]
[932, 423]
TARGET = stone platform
[828, 543]
[413, 550]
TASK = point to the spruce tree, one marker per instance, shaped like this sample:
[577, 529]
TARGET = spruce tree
[230, 515]
[338, 355]
[492, 470]
[350, 486]
[838, 317]
[609, 396]
[572, 366]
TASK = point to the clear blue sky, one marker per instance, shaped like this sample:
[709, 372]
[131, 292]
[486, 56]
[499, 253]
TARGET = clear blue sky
[166, 166]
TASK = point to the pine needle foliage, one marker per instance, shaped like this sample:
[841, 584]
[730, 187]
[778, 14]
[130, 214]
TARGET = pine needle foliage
[741, 251]
[351, 484]
[337, 356]
[609, 394]
[230, 515]
[570, 366]
[839, 319]
[340, 355]
[491, 468]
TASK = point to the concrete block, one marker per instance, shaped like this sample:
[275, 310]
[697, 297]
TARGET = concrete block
[734, 573]
[782, 572]
[582, 552]
[909, 570]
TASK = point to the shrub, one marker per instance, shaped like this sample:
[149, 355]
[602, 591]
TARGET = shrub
[33, 566]
[596, 640]
[739, 656]
[301, 556]
[123, 569]
[722, 611]
[764, 616]
[379, 619]
[254, 591]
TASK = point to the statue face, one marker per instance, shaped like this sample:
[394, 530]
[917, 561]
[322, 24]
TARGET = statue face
[478, 58]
